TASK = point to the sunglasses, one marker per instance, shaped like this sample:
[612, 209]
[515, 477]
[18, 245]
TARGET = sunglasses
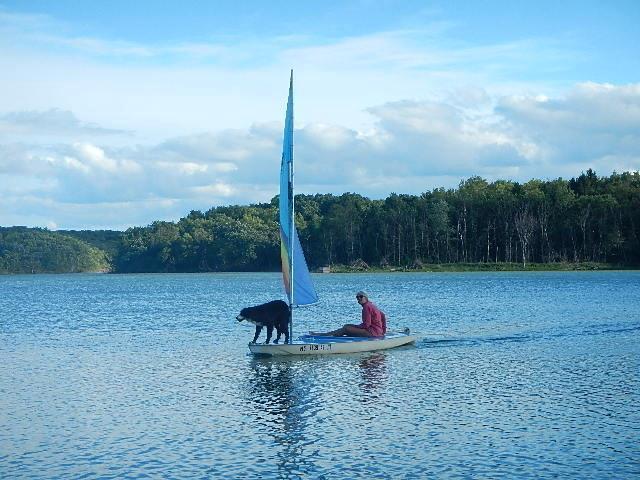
[359, 296]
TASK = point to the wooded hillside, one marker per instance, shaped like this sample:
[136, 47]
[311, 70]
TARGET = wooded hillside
[585, 219]
[36, 250]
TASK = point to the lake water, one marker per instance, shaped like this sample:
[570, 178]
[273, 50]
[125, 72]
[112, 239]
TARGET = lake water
[519, 375]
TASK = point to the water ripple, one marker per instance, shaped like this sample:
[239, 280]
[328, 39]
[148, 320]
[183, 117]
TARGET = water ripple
[148, 376]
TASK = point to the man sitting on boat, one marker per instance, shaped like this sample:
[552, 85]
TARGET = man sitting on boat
[374, 321]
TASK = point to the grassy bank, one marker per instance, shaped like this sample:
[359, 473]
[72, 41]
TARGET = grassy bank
[484, 267]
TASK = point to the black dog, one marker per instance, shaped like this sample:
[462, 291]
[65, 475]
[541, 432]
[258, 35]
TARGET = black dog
[271, 314]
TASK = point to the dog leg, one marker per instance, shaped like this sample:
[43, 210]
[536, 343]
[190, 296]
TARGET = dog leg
[258, 330]
[279, 335]
[269, 333]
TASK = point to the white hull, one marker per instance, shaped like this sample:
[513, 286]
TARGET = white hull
[311, 345]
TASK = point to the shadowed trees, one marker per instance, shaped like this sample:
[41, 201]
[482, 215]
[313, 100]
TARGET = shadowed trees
[583, 219]
[36, 250]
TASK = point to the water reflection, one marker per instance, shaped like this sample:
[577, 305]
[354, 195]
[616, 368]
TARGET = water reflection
[276, 388]
[290, 401]
[271, 388]
[373, 375]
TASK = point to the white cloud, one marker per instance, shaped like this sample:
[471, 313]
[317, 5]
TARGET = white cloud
[595, 123]
[403, 111]
[329, 137]
[50, 121]
[218, 189]
[186, 168]
[95, 157]
[224, 167]
[75, 164]
[413, 146]
[91, 158]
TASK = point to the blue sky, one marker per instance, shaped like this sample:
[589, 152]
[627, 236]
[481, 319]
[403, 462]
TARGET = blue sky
[115, 114]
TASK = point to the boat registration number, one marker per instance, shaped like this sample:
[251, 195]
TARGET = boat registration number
[314, 348]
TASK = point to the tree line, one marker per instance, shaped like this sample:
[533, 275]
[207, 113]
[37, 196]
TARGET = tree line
[37, 250]
[585, 219]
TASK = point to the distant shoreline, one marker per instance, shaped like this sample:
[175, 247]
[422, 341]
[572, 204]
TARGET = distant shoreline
[427, 268]
[489, 267]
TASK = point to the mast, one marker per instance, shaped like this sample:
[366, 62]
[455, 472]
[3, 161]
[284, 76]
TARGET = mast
[292, 226]
[295, 272]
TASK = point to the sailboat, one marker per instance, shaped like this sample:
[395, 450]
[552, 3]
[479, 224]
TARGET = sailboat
[297, 279]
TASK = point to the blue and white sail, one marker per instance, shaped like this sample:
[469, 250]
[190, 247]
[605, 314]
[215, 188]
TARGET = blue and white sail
[295, 273]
